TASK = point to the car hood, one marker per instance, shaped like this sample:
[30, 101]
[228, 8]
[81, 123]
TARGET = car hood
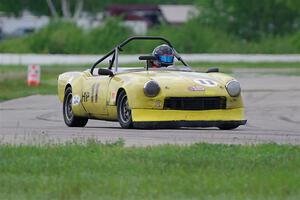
[180, 83]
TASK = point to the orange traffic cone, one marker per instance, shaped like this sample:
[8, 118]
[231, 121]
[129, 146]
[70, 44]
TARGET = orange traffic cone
[33, 76]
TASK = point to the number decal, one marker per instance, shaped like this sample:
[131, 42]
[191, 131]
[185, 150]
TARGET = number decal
[94, 94]
[85, 96]
[206, 82]
[95, 90]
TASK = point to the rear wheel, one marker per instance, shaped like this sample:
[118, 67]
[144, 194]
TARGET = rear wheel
[69, 117]
[124, 111]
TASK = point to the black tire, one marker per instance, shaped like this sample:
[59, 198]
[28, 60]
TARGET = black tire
[124, 112]
[228, 126]
[69, 118]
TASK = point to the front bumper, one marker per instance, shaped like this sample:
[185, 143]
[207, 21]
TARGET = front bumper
[187, 118]
[177, 124]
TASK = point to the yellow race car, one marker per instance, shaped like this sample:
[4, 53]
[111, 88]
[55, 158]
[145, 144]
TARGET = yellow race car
[151, 96]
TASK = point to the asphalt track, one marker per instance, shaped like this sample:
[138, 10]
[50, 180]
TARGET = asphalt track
[272, 109]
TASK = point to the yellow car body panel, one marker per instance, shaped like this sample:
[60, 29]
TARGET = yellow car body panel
[141, 115]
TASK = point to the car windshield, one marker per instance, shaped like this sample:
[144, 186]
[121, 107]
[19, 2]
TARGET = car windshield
[170, 68]
[126, 62]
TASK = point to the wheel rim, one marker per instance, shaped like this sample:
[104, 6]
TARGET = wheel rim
[125, 111]
[68, 107]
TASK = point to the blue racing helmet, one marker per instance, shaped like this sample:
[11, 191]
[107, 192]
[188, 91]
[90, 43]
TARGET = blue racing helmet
[164, 55]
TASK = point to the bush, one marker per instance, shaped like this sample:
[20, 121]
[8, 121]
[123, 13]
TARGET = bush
[192, 37]
[104, 38]
[15, 45]
[295, 40]
[195, 38]
[58, 37]
[66, 38]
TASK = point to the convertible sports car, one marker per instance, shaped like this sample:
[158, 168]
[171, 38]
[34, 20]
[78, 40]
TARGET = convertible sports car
[148, 97]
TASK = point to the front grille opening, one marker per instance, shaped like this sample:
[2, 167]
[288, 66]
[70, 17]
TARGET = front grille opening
[195, 103]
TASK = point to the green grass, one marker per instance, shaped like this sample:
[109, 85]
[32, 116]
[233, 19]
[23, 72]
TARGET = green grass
[199, 171]
[13, 80]
[13, 77]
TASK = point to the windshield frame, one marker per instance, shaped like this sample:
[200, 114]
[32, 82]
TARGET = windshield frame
[114, 62]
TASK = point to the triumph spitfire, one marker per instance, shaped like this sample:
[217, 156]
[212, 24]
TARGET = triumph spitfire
[151, 97]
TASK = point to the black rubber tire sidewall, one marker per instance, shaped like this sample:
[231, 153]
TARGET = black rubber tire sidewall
[74, 121]
[123, 124]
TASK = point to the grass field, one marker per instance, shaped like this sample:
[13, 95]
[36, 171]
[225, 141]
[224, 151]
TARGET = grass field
[13, 77]
[93, 170]
[199, 171]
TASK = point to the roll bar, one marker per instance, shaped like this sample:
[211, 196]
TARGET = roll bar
[144, 38]
[119, 47]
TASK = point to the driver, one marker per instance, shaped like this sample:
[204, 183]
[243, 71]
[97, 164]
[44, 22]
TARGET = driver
[164, 56]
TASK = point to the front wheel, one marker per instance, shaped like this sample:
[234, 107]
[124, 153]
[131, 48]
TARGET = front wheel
[69, 117]
[124, 111]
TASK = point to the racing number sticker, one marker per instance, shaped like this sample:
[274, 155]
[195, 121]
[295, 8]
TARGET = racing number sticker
[94, 94]
[95, 89]
[206, 82]
[85, 96]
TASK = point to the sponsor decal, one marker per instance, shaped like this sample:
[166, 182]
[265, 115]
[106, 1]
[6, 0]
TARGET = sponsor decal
[196, 88]
[113, 95]
[76, 100]
[85, 96]
[206, 82]
[33, 75]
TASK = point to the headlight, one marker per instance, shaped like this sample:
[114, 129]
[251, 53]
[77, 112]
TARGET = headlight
[151, 88]
[233, 88]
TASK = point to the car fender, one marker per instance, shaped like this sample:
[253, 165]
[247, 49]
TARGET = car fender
[74, 80]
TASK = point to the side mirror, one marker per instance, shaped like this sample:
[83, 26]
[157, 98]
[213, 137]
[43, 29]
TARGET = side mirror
[212, 69]
[147, 58]
[105, 72]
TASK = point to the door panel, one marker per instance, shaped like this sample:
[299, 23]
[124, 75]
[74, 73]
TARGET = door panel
[94, 94]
